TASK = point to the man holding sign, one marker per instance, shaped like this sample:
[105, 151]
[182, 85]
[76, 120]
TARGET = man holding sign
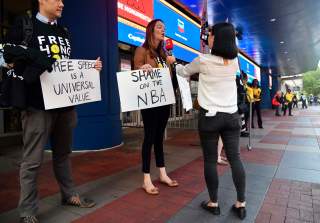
[37, 123]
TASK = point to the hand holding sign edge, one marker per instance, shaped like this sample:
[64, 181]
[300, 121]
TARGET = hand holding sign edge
[98, 64]
[147, 67]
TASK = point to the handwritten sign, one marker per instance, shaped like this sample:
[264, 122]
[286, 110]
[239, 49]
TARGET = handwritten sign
[71, 82]
[185, 92]
[141, 89]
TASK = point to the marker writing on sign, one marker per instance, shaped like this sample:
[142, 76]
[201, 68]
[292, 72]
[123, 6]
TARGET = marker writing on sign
[149, 79]
[63, 66]
[144, 75]
[151, 97]
[86, 65]
[74, 90]
[79, 97]
[67, 88]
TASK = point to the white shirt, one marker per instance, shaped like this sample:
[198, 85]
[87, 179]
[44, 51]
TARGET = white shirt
[217, 89]
[45, 20]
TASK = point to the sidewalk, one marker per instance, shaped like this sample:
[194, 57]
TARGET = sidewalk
[283, 179]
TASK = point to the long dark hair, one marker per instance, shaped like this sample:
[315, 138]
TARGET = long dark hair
[224, 44]
[149, 42]
[255, 83]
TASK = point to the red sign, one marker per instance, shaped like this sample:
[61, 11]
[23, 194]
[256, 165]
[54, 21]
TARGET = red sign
[138, 11]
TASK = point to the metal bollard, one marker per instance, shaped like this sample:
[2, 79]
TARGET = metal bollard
[249, 147]
[165, 134]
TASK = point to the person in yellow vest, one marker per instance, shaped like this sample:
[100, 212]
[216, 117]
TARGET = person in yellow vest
[249, 97]
[288, 102]
[256, 90]
[249, 91]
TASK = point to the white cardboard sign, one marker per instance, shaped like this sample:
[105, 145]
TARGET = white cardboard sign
[71, 82]
[141, 89]
[185, 93]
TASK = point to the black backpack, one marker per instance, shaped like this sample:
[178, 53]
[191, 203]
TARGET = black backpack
[12, 88]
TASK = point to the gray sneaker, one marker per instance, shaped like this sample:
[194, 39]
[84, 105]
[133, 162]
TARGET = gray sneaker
[29, 219]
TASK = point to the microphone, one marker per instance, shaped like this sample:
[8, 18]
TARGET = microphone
[169, 48]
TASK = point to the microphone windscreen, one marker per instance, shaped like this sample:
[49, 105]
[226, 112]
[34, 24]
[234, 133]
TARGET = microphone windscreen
[169, 44]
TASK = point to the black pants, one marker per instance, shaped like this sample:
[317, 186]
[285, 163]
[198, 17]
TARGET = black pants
[228, 127]
[154, 122]
[304, 104]
[256, 108]
[289, 106]
[277, 108]
[295, 104]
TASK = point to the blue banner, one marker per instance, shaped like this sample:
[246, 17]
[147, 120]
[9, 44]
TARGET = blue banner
[128, 34]
[177, 26]
[133, 36]
[252, 70]
[183, 54]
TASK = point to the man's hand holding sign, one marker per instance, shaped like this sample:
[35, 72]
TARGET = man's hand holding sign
[98, 64]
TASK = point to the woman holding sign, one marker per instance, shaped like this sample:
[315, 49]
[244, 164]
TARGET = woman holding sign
[218, 116]
[152, 55]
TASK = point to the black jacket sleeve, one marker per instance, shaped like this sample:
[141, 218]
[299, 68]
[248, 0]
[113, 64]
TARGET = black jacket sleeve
[35, 61]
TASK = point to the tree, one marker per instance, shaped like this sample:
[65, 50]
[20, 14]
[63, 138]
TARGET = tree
[311, 82]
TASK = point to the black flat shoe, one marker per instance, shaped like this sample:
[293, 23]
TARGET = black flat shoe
[76, 201]
[244, 134]
[212, 210]
[241, 212]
